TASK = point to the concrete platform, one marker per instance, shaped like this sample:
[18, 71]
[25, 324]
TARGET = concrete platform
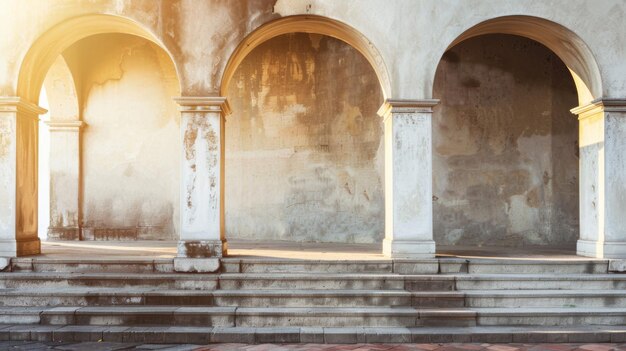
[287, 250]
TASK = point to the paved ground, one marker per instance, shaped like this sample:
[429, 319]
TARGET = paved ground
[105, 346]
[282, 249]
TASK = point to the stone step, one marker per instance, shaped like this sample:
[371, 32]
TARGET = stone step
[306, 281]
[318, 335]
[240, 316]
[537, 281]
[37, 264]
[523, 266]
[269, 265]
[87, 296]
[339, 298]
[362, 281]
[551, 316]
[243, 317]
[312, 298]
[321, 316]
[423, 266]
[312, 316]
[34, 280]
[235, 265]
[544, 298]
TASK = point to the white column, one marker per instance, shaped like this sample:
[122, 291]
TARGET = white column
[64, 180]
[408, 178]
[602, 139]
[19, 127]
[202, 177]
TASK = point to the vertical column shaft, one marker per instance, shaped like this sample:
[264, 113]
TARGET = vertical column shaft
[408, 178]
[202, 177]
[19, 128]
[602, 178]
[64, 180]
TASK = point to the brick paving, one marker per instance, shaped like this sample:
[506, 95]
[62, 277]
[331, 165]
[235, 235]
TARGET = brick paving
[109, 346]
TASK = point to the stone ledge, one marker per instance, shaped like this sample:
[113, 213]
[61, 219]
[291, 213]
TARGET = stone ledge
[196, 265]
[617, 266]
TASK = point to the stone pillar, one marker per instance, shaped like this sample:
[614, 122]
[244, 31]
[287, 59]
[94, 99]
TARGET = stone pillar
[602, 139]
[19, 128]
[408, 178]
[202, 177]
[64, 180]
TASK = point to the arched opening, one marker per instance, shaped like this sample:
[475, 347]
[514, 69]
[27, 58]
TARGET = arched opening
[570, 48]
[314, 25]
[114, 133]
[505, 148]
[304, 151]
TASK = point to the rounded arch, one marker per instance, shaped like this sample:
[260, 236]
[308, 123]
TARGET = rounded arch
[45, 50]
[568, 46]
[308, 24]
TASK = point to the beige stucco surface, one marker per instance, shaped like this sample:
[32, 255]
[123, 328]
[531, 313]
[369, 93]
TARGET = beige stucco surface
[304, 153]
[130, 141]
[140, 166]
[411, 36]
[505, 146]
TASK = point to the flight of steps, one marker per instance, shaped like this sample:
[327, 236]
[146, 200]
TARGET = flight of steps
[273, 300]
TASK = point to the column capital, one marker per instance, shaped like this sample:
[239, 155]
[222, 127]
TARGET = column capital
[64, 126]
[407, 106]
[599, 105]
[203, 104]
[17, 104]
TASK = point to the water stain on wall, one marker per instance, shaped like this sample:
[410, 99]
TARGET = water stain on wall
[505, 146]
[303, 146]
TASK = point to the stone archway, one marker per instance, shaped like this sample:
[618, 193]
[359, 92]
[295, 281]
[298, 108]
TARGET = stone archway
[20, 218]
[308, 24]
[568, 46]
[584, 70]
[205, 134]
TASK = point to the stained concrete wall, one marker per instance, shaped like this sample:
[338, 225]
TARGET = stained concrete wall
[505, 150]
[130, 145]
[304, 153]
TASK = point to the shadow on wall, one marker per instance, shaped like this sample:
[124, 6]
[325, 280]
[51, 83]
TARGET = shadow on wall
[304, 153]
[505, 146]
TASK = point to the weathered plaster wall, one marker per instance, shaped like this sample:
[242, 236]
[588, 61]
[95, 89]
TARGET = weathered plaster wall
[411, 35]
[505, 156]
[130, 145]
[304, 153]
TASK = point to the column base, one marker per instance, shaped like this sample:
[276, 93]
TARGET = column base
[408, 248]
[202, 248]
[599, 249]
[24, 247]
[63, 233]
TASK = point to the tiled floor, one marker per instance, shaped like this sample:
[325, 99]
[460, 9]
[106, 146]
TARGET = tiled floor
[106, 346]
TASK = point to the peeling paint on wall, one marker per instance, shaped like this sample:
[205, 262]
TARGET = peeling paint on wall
[505, 156]
[303, 146]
